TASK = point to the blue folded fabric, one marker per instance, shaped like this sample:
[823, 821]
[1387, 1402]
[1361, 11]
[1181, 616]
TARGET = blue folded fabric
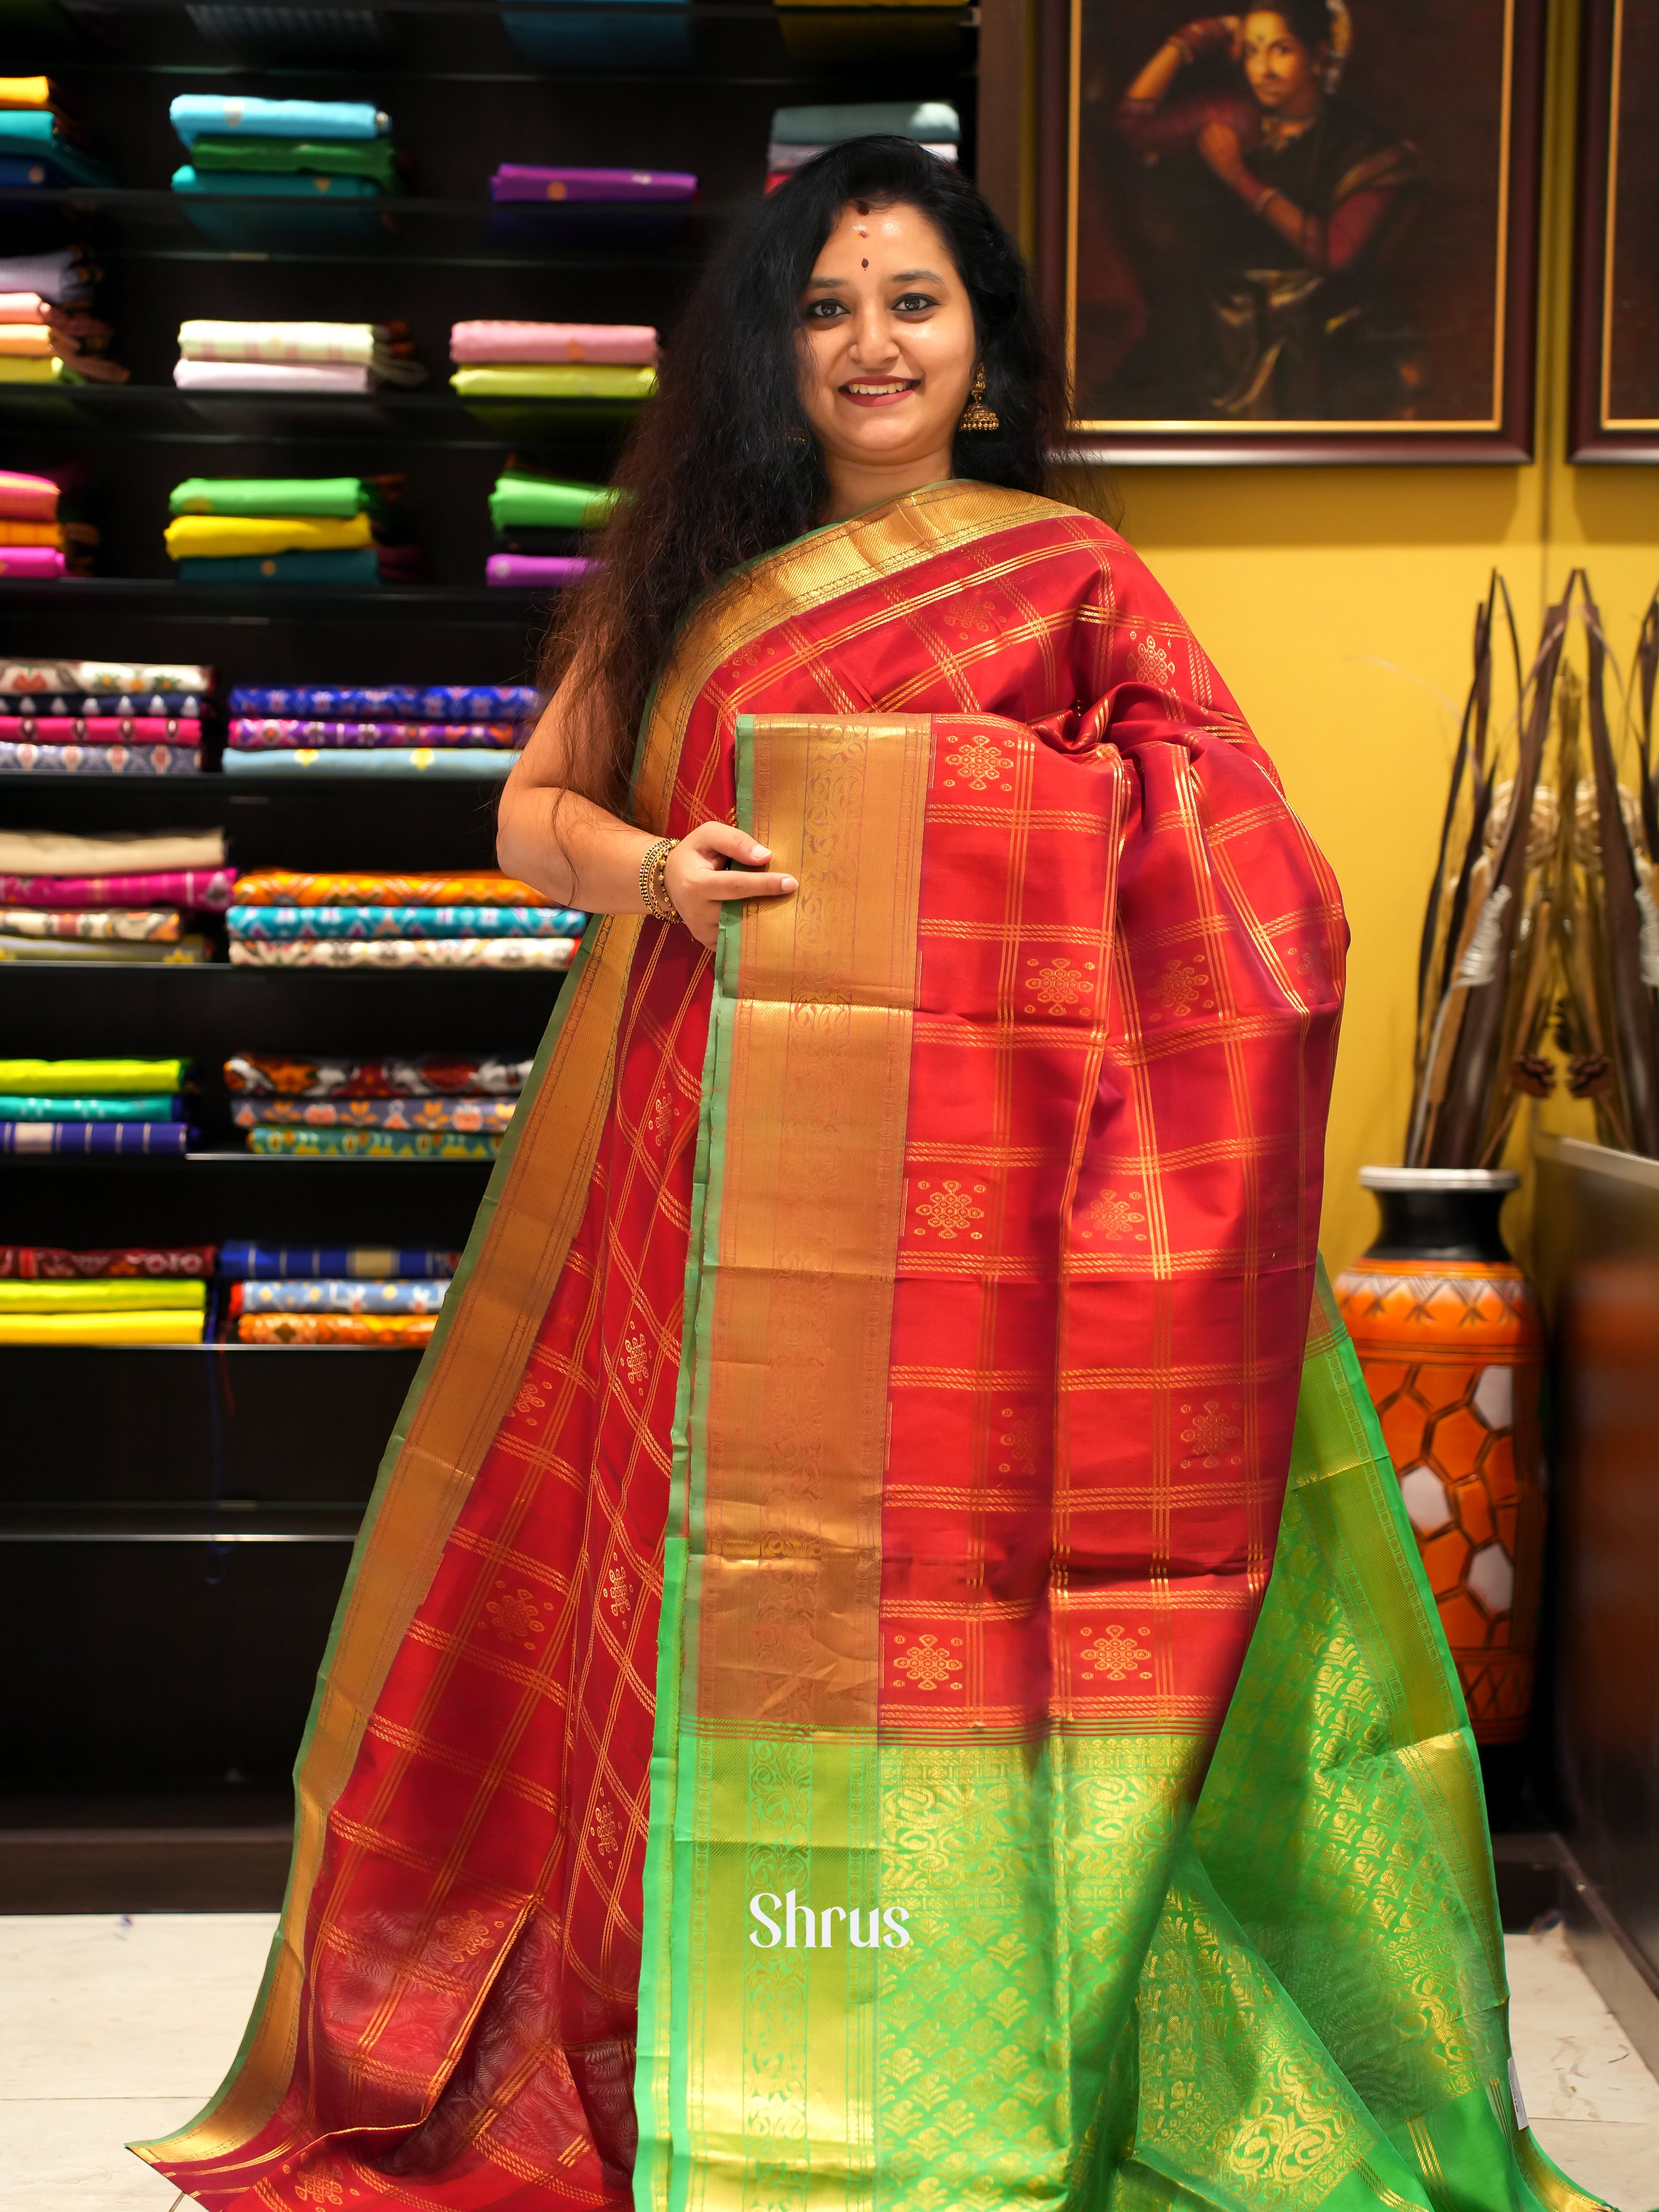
[393, 759]
[385, 702]
[243, 1258]
[302, 185]
[355, 565]
[611, 34]
[164, 1139]
[351, 1296]
[299, 925]
[193, 112]
[23, 161]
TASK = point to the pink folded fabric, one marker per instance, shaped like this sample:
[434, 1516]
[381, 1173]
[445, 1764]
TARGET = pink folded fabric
[522, 568]
[632, 343]
[22, 307]
[31, 561]
[204, 889]
[271, 376]
[27, 499]
[100, 729]
[515, 180]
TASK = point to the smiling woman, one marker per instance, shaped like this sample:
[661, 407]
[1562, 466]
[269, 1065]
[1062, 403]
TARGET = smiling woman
[888, 1459]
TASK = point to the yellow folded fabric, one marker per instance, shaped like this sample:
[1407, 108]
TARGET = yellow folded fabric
[206, 537]
[153, 1328]
[557, 380]
[13, 371]
[109, 1294]
[90, 1078]
[26, 342]
[25, 92]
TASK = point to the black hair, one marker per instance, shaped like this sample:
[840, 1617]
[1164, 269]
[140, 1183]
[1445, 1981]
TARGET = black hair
[722, 466]
[1310, 20]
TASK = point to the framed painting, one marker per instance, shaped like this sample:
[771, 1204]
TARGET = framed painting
[1615, 384]
[1307, 232]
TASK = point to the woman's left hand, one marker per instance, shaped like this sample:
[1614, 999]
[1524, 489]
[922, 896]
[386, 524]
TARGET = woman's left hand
[1222, 148]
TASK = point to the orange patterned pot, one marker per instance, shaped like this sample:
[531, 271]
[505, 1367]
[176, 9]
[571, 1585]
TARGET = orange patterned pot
[1450, 1340]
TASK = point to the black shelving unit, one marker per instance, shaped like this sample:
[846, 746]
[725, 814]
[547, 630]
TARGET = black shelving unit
[175, 1521]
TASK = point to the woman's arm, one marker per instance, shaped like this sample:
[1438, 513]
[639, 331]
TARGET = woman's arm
[580, 855]
[1207, 35]
[1328, 245]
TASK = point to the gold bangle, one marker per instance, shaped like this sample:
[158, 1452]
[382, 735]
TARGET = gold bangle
[654, 883]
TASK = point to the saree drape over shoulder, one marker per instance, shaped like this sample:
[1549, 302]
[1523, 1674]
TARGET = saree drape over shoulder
[885, 1668]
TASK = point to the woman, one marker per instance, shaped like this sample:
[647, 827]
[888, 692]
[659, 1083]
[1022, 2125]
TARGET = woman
[1287, 223]
[785, 1736]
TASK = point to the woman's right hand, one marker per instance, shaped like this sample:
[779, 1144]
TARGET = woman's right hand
[699, 881]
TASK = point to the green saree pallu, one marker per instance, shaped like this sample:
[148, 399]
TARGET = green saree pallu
[886, 1671]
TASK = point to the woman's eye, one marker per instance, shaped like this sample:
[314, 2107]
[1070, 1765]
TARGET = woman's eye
[824, 311]
[914, 303]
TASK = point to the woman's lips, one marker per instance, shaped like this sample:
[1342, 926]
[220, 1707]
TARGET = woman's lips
[880, 391]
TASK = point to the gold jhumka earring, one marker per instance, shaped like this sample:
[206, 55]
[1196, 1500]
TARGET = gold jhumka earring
[976, 415]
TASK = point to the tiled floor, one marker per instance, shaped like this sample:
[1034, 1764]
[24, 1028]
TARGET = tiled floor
[111, 2028]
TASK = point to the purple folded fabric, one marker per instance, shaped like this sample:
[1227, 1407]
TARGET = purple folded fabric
[522, 568]
[285, 734]
[515, 181]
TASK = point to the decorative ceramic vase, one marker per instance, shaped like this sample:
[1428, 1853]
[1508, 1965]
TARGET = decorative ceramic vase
[1450, 1340]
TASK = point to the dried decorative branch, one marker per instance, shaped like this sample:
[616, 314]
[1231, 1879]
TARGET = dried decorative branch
[1456, 1132]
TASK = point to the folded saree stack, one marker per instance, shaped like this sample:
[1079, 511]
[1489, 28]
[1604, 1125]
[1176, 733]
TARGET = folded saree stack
[281, 919]
[398, 729]
[799, 133]
[142, 1294]
[41, 149]
[544, 525]
[99, 717]
[134, 1108]
[294, 356]
[333, 531]
[48, 333]
[429, 1106]
[34, 538]
[283, 150]
[341, 1294]
[581, 367]
[122, 898]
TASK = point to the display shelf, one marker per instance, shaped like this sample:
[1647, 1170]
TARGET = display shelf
[117, 1455]
[391, 822]
[423, 419]
[163, 600]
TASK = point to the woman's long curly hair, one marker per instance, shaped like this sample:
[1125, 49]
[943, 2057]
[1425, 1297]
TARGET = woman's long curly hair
[722, 466]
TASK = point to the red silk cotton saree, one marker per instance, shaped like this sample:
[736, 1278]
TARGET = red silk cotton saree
[885, 1668]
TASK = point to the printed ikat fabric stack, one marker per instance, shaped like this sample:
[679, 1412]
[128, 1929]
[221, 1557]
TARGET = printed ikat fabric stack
[399, 729]
[432, 1106]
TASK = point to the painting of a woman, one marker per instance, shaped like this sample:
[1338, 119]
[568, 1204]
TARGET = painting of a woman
[1267, 209]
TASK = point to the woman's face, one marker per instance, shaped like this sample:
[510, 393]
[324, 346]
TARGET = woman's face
[1282, 75]
[887, 339]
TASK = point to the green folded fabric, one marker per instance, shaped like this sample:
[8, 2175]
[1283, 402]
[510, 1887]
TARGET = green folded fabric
[113, 1294]
[305, 185]
[554, 379]
[524, 502]
[103, 1079]
[182, 952]
[340, 495]
[144, 1108]
[370, 157]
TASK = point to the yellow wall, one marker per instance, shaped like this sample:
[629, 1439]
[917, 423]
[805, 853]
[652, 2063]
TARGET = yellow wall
[1338, 605]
